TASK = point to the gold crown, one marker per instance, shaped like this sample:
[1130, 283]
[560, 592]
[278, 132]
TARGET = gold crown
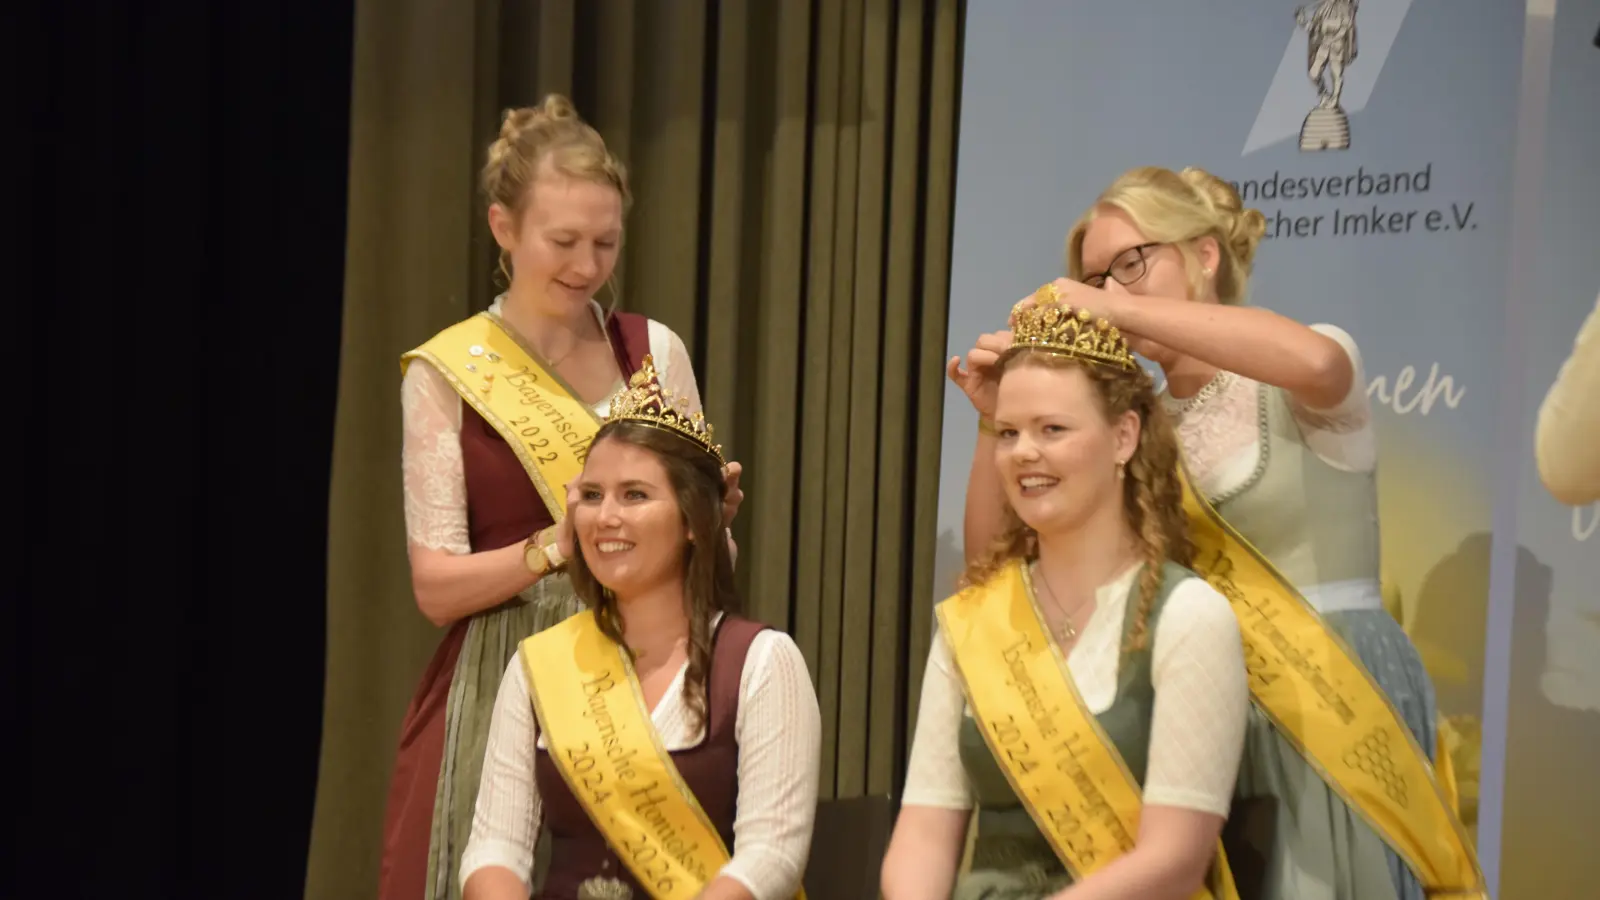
[645, 401]
[1045, 323]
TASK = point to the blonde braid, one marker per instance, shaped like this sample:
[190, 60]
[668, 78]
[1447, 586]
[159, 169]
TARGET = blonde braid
[1153, 497]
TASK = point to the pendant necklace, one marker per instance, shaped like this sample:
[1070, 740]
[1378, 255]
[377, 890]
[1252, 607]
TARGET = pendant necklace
[1066, 631]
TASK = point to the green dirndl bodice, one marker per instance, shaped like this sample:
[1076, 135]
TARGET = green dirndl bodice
[1011, 857]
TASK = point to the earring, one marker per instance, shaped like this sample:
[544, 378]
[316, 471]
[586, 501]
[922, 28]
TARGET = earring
[1121, 469]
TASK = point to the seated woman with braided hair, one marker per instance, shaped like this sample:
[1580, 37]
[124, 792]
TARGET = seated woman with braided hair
[667, 746]
[1086, 693]
[1338, 797]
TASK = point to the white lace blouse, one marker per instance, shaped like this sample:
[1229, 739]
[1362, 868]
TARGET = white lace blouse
[779, 730]
[1221, 435]
[430, 455]
[1197, 726]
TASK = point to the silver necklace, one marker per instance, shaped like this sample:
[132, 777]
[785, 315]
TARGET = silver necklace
[1215, 386]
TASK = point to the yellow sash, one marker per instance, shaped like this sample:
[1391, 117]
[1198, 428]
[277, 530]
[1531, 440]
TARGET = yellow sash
[536, 413]
[1321, 698]
[593, 717]
[1059, 762]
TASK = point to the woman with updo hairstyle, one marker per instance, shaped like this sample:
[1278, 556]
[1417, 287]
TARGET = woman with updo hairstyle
[1081, 649]
[499, 413]
[1279, 452]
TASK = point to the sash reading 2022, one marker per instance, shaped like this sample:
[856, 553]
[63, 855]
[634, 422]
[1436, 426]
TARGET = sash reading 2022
[1364, 203]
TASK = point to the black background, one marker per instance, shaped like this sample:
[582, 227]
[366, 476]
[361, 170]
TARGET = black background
[181, 245]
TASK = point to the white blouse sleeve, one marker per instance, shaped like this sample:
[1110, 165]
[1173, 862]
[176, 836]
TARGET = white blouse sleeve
[1568, 430]
[673, 363]
[505, 822]
[1343, 435]
[935, 776]
[430, 460]
[779, 729]
[1202, 702]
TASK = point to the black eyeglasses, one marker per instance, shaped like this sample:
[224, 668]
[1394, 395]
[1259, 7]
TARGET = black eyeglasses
[1127, 268]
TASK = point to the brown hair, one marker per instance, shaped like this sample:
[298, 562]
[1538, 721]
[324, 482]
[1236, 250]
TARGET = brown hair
[549, 137]
[1180, 208]
[708, 586]
[1152, 497]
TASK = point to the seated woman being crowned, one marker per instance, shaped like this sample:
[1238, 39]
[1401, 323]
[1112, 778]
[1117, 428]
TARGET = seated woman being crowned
[1085, 700]
[667, 747]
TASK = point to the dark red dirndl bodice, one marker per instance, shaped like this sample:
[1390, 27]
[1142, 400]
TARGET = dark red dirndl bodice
[711, 770]
[503, 508]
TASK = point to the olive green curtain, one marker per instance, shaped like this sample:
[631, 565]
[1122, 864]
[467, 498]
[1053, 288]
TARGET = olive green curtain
[793, 167]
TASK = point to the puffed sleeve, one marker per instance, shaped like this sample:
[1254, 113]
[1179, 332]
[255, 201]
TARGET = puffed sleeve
[432, 474]
[1342, 435]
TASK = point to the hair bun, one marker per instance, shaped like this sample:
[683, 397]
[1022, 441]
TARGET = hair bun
[1243, 227]
[1217, 194]
[1248, 227]
[517, 123]
[555, 108]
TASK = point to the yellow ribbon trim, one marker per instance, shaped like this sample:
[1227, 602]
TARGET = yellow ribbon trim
[592, 713]
[1060, 763]
[537, 414]
[1321, 698]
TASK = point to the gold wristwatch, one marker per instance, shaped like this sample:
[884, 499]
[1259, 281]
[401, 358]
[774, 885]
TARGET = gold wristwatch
[541, 554]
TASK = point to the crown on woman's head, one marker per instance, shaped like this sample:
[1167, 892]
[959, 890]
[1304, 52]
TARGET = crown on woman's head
[645, 401]
[1045, 323]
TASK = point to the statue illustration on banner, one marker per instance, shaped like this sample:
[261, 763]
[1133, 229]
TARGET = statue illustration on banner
[1330, 28]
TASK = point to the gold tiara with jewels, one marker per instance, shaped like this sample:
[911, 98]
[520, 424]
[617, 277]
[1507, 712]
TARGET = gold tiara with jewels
[1045, 323]
[643, 400]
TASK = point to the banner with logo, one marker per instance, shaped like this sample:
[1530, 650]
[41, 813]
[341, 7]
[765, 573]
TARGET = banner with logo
[1377, 137]
[1550, 800]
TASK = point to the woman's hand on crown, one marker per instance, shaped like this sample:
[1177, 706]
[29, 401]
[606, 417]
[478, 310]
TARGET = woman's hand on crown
[733, 497]
[1100, 303]
[979, 378]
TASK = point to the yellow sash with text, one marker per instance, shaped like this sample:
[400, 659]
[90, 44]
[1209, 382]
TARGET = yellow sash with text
[600, 737]
[1063, 767]
[1322, 699]
[544, 424]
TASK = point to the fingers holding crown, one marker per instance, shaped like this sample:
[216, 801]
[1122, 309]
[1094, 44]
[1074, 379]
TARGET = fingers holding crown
[1046, 294]
[1054, 293]
[1073, 296]
[1069, 317]
[1079, 301]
